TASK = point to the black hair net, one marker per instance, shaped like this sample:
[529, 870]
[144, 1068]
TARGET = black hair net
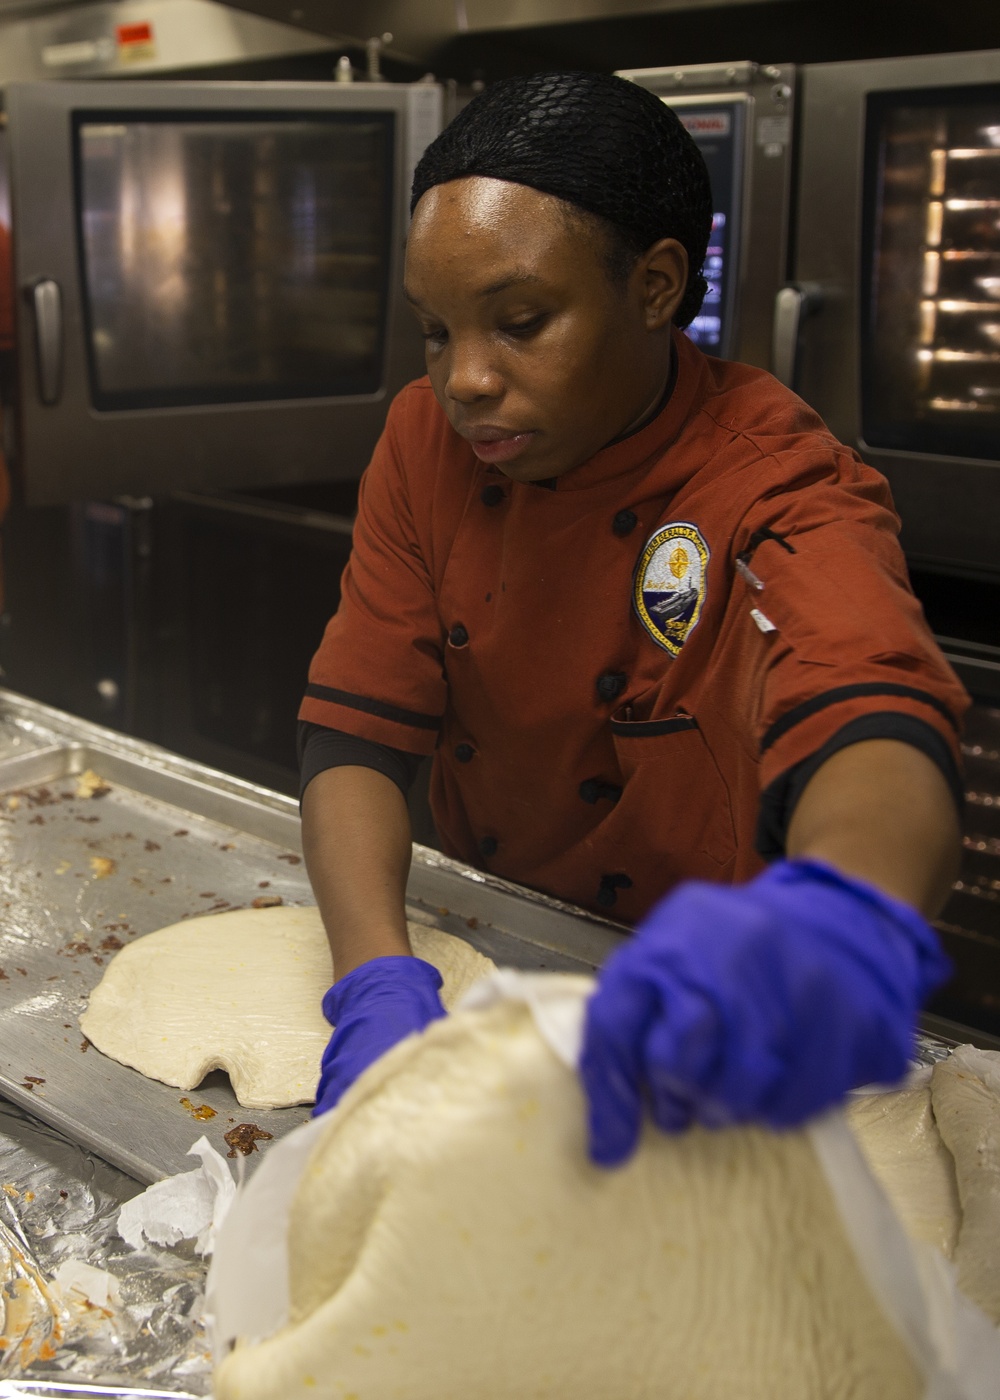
[599, 142]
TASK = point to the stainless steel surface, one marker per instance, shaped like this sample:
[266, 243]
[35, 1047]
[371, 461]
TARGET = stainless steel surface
[950, 507]
[46, 300]
[791, 306]
[172, 839]
[418, 29]
[69, 451]
[976, 664]
[763, 183]
[86, 40]
[699, 77]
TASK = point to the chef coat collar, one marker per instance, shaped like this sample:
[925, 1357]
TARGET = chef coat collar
[625, 455]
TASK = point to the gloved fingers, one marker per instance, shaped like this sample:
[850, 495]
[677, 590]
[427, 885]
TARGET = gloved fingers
[680, 1053]
[672, 1110]
[408, 982]
[373, 1008]
[614, 1115]
[872, 1046]
[611, 1065]
[333, 1084]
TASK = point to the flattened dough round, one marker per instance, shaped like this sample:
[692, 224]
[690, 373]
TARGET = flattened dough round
[449, 1239]
[240, 991]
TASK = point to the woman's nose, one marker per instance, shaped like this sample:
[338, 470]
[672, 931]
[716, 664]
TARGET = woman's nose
[472, 374]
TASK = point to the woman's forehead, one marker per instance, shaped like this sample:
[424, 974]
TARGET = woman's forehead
[480, 202]
[522, 230]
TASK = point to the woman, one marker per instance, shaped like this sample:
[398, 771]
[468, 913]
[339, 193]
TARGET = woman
[652, 621]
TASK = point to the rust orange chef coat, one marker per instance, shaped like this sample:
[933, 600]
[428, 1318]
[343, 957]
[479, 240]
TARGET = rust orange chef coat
[624, 674]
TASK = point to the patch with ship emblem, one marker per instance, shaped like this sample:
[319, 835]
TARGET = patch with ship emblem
[670, 584]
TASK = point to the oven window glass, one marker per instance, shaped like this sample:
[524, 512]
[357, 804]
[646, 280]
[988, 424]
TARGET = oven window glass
[717, 128]
[931, 291]
[233, 258]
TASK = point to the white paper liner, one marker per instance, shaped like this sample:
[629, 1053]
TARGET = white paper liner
[189, 1206]
[953, 1344]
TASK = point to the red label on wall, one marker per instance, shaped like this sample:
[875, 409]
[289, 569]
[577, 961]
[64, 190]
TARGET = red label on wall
[134, 34]
[707, 123]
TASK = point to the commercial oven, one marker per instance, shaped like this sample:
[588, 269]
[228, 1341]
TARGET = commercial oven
[208, 279]
[741, 116]
[890, 327]
[894, 315]
[209, 330]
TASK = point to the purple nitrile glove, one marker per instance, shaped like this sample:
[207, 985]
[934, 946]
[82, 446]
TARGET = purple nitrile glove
[762, 1002]
[372, 1008]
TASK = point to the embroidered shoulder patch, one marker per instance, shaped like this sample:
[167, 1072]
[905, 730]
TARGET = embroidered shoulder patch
[670, 584]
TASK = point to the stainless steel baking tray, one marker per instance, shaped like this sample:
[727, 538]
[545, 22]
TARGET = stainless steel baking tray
[171, 839]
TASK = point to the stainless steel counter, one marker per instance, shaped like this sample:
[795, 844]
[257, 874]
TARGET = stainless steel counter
[82, 875]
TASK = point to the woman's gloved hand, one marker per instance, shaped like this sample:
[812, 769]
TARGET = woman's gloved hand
[763, 1002]
[373, 1007]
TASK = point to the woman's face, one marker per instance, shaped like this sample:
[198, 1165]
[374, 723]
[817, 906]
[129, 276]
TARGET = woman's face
[536, 355]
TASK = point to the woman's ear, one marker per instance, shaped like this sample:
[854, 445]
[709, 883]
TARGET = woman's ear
[663, 270]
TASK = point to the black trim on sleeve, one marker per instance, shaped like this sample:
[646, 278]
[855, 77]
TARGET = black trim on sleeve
[811, 707]
[320, 748]
[374, 707]
[757, 539]
[649, 728]
[778, 801]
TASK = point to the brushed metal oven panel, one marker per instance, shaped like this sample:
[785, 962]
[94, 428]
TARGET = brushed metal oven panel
[950, 506]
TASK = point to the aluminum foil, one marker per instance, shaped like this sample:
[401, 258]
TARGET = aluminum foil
[59, 1203]
[42, 1390]
[929, 1049]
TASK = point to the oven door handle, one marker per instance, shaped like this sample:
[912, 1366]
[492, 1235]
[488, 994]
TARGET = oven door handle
[792, 305]
[46, 297]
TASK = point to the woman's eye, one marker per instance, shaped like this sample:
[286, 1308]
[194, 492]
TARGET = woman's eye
[524, 328]
[438, 336]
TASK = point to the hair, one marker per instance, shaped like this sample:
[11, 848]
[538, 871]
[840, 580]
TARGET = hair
[599, 143]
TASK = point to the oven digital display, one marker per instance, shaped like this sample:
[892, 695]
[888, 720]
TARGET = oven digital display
[931, 291]
[717, 127]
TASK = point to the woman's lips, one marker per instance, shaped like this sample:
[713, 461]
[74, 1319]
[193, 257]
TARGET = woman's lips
[497, 444]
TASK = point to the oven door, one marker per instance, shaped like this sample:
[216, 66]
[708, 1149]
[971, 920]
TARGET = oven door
[898, 251]
[208, 280]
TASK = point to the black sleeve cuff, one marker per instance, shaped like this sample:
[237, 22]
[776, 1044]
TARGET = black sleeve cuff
[320, 748]
[779, 800]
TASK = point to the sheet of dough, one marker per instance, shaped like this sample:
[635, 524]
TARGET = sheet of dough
[240, 991]
[450, 1240]
[968, 1115]
[899, 1138]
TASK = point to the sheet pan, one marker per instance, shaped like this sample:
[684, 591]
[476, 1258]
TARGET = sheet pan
[170, 839]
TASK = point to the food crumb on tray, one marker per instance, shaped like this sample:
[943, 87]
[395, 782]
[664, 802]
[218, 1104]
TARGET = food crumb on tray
[91, 784]
[202, 1111]
[244, 1138]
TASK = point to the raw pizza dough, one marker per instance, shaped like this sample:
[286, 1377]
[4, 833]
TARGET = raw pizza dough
[450, 1239]
[900, 1141]
[240, 991]
[936, 1151]
[967, 1111]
